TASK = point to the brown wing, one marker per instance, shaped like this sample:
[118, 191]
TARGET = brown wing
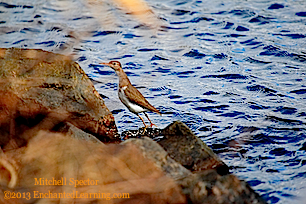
[137, 97]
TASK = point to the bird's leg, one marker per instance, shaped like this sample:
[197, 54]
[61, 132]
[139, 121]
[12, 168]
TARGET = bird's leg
[149, 120]
[142, 120]
[145, 126]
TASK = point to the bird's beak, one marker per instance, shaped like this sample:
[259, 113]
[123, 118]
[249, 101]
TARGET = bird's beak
[104, 63]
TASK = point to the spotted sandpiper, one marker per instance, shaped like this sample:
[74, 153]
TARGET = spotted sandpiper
[129, 95]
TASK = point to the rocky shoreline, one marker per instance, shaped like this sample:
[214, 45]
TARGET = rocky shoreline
[55, 127]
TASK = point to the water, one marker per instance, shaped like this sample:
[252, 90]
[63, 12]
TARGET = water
[233, 71]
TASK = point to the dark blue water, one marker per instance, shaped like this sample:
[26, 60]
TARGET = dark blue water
[234, 71]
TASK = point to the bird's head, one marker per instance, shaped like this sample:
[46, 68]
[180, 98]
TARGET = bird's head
[115, 65]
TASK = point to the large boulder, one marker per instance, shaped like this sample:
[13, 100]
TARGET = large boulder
[44, 90]
[54, 168]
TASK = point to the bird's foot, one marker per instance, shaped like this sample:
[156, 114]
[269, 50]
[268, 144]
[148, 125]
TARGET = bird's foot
[152, 124]
[148, 126]
[145, 128]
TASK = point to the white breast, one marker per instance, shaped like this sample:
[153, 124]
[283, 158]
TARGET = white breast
[131, 106]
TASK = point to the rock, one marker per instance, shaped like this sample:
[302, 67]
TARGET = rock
[52, 165]
[139, 168]
[189, 150]
[205, 186]
[70, 130]
[210, 187]
[43, 90]
[151, 150]
[182, 146]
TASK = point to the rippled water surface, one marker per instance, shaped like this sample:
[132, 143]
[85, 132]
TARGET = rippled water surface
[234, 71]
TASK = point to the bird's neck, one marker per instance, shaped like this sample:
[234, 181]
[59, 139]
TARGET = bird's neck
[123, 79]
